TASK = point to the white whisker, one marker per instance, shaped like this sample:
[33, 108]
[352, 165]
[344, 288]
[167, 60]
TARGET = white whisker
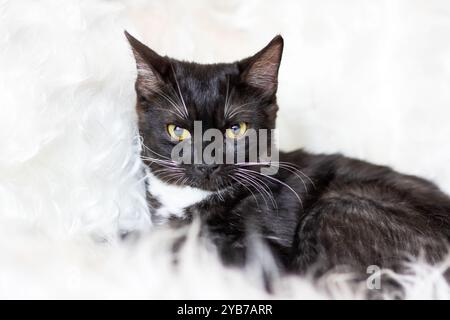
[276, 180]
[179, 110]
[262, 185]
[242, 184]
[179, 91]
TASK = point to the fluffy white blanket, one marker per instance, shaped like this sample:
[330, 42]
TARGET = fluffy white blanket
[366, 78]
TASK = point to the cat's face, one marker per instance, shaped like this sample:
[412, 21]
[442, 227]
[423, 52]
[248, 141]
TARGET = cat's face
[174, 96]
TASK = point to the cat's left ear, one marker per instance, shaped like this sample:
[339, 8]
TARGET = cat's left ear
[151, 67]
[261, 70]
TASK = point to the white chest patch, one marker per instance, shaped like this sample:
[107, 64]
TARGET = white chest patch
[173, 199]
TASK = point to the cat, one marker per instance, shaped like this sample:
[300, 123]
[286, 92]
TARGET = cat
[318, 212]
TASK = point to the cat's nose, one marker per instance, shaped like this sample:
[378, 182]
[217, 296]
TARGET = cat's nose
[207, 169]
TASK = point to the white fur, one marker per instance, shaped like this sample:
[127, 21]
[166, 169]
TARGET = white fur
[173, 198]
[368, 78]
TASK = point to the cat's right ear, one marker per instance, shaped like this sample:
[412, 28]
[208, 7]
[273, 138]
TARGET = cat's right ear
[151, 67]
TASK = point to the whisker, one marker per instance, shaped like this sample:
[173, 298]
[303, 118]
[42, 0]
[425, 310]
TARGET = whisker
[276, 180]
[168, 174]
[238, 109]
[174, 176]
[254, 185]
[294, 167]
[283, 165]
[153, 151]
[179, 179]
[242, 184]
[227, 99]
[270, 193]
[175, 105]
[179, 91]
[262, 185]
[176, 114]
[165, 170]
[160, 162]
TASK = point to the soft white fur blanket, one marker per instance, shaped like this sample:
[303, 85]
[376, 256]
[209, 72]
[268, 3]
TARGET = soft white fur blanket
[367, 78]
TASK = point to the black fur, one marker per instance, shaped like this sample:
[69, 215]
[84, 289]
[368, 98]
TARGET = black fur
[352, 213]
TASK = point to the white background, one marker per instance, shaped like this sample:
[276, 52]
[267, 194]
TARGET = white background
[369, 79]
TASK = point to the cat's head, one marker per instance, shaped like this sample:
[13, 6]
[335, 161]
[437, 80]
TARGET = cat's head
[175, 96]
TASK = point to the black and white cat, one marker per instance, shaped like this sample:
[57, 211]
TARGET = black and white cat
[318, 211]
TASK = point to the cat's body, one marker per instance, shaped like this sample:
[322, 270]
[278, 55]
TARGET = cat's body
[318, 212]
[352, 214]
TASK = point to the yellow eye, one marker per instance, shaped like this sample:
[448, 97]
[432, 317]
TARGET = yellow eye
[236, 130]
[178, 133]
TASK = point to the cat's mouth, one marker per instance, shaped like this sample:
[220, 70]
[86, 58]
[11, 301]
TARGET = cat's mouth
[214, 178]
[209, 178]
